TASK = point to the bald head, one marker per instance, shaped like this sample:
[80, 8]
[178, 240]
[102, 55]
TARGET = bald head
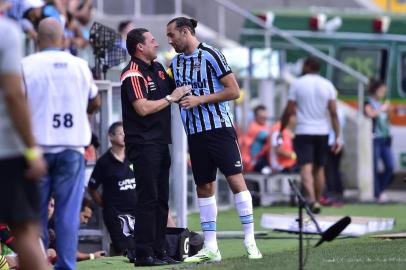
[50, 33]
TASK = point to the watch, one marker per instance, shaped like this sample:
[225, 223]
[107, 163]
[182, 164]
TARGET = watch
[169, 98]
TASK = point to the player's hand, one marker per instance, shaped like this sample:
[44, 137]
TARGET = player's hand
[337, 146]
[279, 139]
[36, 164]
[179, 92]
[99, 254]
[386, 106]
[190, 102]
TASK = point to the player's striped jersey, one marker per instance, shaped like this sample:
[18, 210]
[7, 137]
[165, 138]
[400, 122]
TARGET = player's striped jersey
[203, 70]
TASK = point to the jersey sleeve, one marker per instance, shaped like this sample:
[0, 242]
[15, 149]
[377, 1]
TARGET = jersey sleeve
[10, 49]
[134, 84]
[96, 177]
[218, 62]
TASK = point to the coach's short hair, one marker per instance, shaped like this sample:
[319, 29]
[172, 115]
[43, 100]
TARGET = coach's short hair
[114, 126]
[182, 22]
[134, 37]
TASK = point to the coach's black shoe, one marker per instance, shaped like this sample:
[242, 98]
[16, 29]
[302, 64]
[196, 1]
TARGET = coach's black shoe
[149, 261]
[169, 260]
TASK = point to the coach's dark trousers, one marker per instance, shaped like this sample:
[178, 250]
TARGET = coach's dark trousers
[151, 164]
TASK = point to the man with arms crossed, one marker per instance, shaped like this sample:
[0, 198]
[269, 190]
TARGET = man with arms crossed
[211, 136]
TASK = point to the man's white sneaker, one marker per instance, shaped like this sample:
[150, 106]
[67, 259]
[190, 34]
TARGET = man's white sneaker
[253, 252]
[204, 255]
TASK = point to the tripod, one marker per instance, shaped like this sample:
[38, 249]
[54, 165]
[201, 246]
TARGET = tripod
[302, 205]
[328, 235]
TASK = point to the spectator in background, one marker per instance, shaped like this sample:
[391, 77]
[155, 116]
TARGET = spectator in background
[255, 144]
[113, 171]
[15, 10]
[21, 161]
[61, 91]
[36, 10]
[283, 156]
[333, 194]
[123, 28]
[312, 97]
[86, 213]
[378, 110]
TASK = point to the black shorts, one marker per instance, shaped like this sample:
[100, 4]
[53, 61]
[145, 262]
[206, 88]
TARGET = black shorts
[214, 149]
[311, 149]
[111, 220]
[19, 198]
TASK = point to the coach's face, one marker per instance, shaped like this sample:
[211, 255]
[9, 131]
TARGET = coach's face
[149, 46]
[177, 38]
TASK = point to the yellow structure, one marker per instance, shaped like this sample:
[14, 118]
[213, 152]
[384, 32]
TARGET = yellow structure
[397, 6]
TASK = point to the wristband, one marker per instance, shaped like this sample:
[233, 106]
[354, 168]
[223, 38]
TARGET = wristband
[293, 156]
[91, 256]
[32, 153]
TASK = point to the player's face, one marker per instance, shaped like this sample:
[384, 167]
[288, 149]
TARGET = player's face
[176, 37]
[85, 215]
[118, 137]
[261, 117]
[149, 46]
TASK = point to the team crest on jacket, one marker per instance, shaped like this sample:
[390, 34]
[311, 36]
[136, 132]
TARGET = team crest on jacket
[196, 65]
[151, 84]
[161, 74]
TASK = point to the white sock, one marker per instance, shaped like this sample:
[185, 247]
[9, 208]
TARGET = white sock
[208, 217]
[243, 204]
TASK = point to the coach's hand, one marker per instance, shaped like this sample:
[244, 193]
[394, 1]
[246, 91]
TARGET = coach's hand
[190, 102]
[179, 92]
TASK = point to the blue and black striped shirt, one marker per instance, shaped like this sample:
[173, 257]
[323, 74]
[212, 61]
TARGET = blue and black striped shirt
[203, 70]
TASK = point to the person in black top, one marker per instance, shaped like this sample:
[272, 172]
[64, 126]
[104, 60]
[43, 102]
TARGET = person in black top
[113, 171]
[146, 93]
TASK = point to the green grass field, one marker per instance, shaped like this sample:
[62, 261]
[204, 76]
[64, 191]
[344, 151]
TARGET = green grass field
[280, 251]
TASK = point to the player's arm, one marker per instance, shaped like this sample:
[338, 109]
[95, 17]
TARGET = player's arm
[332, 108]
[289, 110]
[95, 195]
[231, 91]
[221, 69]
[94, 97]
[16, 104]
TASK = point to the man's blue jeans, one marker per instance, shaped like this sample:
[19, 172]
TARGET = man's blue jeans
[382, 150]
[65, 182]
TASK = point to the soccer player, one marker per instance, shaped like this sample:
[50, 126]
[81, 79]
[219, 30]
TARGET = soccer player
[211, 136]
[21, 161]
[312, 98]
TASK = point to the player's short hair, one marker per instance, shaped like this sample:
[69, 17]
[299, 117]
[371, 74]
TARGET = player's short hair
[259, 108]
[313, 63]
[113, 127]
[374, 85]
